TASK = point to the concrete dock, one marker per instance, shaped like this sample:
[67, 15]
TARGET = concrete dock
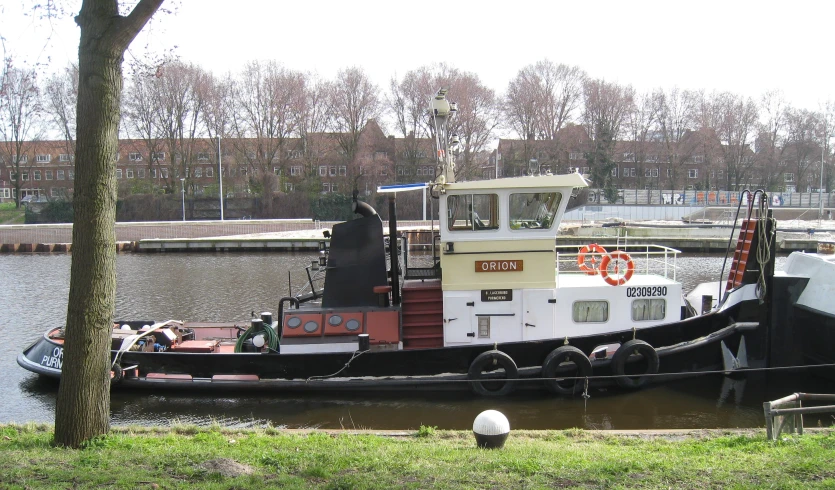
[307, 235]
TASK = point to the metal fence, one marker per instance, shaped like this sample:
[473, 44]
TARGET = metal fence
[709, 198]
[785, 415]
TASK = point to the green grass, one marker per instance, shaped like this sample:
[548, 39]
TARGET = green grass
[176, 458]
[9, 215]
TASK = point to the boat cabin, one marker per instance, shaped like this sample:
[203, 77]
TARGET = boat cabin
[494, 279]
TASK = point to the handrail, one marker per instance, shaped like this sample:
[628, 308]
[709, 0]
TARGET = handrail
[778, 419]
[664, 257]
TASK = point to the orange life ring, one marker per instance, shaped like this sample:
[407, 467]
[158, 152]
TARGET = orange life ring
[581, 258]
[617, 255]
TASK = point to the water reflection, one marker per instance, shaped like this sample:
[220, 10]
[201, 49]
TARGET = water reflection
[230, 286]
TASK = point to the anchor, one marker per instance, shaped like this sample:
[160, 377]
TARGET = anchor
[734, 362]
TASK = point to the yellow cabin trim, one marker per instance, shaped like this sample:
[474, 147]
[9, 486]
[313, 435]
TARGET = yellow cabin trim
[535, 257]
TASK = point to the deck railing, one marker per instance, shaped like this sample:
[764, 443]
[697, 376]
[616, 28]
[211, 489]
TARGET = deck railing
[648, 259]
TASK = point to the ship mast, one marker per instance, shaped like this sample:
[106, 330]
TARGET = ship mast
[441, 111]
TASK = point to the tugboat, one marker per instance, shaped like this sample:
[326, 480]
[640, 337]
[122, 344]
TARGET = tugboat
[490, 312]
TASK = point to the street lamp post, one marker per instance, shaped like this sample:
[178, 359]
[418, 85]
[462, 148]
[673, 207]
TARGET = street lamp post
[826, 137]
[220, 176]
[183, 184]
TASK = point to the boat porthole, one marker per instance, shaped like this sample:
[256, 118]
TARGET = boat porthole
[335, 320]
[352, 325]
[311, 326]
[294, 322]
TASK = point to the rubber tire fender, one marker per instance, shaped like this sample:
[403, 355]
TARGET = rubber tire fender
[485, 359]
[565, 353]
[118, 374]
[623, 353]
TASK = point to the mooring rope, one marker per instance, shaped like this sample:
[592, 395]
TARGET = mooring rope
[356, 354]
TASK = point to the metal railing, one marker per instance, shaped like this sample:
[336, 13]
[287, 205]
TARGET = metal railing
[648, 259]
[786, 414]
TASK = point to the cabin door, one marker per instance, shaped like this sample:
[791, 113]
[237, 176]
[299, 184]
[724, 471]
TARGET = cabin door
[458, 318]
[538, 314]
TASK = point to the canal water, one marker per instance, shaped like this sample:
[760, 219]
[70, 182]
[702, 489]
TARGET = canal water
[229, 286]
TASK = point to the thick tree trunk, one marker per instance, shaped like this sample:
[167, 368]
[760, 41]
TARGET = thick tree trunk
[83, 406]
[83, 409]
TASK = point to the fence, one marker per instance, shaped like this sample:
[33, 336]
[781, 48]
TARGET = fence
[709, 198]
[786, 414]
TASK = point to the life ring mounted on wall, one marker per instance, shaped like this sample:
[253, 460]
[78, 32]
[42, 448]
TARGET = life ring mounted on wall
[616, 279]
[596, 251]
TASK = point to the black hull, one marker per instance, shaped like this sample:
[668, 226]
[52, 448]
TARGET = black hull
[687, 346]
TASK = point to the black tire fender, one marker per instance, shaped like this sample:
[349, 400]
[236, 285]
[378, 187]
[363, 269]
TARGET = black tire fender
[118, 374]
[492, 358]
[624, 352]
[565, 353]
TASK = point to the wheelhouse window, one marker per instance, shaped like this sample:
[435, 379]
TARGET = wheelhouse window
[473, 212]
[535, 210]
[590, 311]
[649, 309]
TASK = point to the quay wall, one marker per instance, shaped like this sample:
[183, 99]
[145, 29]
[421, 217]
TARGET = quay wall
[305, 235]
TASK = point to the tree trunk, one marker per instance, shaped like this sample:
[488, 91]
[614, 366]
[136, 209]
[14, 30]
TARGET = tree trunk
[83, 407]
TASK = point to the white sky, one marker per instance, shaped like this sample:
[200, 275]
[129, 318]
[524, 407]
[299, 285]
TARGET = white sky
[746, 47]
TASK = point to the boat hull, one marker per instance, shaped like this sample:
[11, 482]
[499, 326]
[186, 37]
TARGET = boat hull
[685, 347]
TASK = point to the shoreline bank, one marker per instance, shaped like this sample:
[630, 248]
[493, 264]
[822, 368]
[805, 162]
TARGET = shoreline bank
[422, 458]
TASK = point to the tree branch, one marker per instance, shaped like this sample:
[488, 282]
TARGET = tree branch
[128, 27]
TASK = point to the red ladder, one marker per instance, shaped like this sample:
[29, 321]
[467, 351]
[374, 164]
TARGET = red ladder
[743, 249]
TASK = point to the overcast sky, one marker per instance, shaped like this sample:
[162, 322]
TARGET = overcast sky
[747, 47]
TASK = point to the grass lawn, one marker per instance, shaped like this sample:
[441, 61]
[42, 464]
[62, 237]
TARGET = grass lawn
[185, 457]
[9, 215]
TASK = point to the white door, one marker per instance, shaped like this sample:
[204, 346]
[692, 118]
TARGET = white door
[538, 314]
[458, 318]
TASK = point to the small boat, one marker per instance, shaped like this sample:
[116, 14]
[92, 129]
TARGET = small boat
[487, 310]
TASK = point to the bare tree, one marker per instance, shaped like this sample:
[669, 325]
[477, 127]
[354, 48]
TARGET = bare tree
[736, 120]
[769, 141]
[180, 106]
[20, 111]
[801, 150]
[353, 101]
[477, 118]
[218, 114]
[639, 124]
[606, 107]
[543, 97]
[82, 410]
[520, 108]
[141, 111]
[313, 121]
[268, 99]
[60, 98]
[561, 93]
[676, 119]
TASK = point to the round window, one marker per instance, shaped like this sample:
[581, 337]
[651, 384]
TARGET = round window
[335, 320]
[294, 322]
[311, 326]
[352, 325]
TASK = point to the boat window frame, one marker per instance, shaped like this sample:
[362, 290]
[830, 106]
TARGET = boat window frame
[551, 205]
[650, 300]
[604, 301]
[491, 210]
